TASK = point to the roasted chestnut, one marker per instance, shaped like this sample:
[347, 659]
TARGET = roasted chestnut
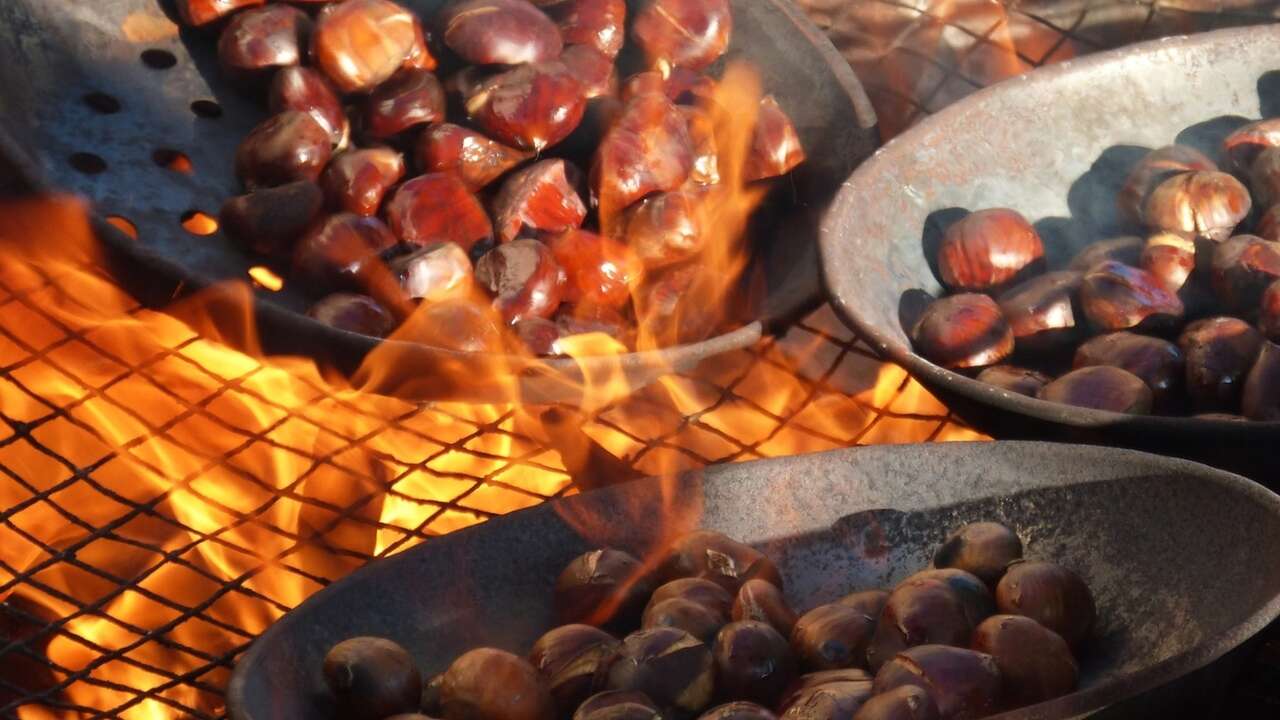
[832, 636]
[353, 313]
[1050, 594]
[475, 158]
[1041, 311]
[491, 684]
[1264, 177]
[824, 677]
[288, 147]
[828, 701]
[594, 23]
[1156, 167]
[761, 600]
[648, 150]
[360, 44]
[963, 331]
[775, 144]
[983, 549]
[1119, 297]
[868, 602]
[1170, 258]
[706, 148]
[665, 228]
[260, 40]
[1015, 379]
[699, 590]
[499, 32]
[1261, 399]
[740, 710]
[1219, 352]
[964, 683]
[1204, 205]
[601, 271]
[1269, 313]
[908, 702]
[341, 251]
[683, 33]
[1035, 662]
[569, 658]
[430, 703]
[1158, 363]
[592, 69]
[1126, 249]
[411, 97]
[434, 273]
[458, 324]
[975, 597]
[919, 611]
[538, 336]
[356, 181]
[1101, 387]
[753, 662]
[372, 678]
[532, 107]
[669, 665]
[270, 220]
[203, 12]
[602, 587]
[525, 279]
[438, 207]
[618, 705]
[1268, 226]
[305, 90]
[1243, 146]
[718, 558]
[1243, 268]
[987, 249]
[700, 621]
[539, 197]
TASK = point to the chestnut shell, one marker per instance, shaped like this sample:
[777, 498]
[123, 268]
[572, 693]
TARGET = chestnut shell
[963, 331]
[984, 549]
[1052, 595]
[987, 249]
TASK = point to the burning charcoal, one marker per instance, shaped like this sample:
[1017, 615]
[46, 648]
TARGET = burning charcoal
[592, 69]
[202, 12]
[1243, 146]
[410, 98]
[700, 621]
[258, 41]
[360, 44]
[987, 249]
[456, 324]
[1261, 400]
[1101, 387]
[1170, 258]
[1015, 379]
[270, 220]
[703, 592]
[430, 703]
[434, 273]
[601, 271]
[305, 90]
[539, 197]
[1269, 314]
[372, 678]
[648, 150]
[963, 683]
[683, 33]
[1126, 250]
[353, 313]
[1035, 662]
[341, 251]
[569, 657]
[775, 145]
[603, 587]
[489, 684]
[1119, 297]
[594, 23]
[920, 611]
[1158, 363]
[738, 711]
[720, 559]
[524, 277]
[761, 600]
[1156, 167]
[531, 107]
[908, 702]
[1243, 267]
[357, 180]
[618, 705]
[436, 208]
[1041, 311]
[668, 665]
[1219, 352]
[827, 701]
[963, 331]
[753, 662]
[499, 32]
[474, 157]
[665, 229]
[832, 636]
[981, 548]
[288, 147]
[1050, 594]
[1202, 205]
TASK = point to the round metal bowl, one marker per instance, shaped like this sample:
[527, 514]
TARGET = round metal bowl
[1055, 145]
[171, 97]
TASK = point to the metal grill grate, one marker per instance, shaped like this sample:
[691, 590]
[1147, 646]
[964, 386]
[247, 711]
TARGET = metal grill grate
[130, 591]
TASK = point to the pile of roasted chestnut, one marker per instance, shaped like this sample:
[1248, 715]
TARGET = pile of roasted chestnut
[499, 228]
[1184, 320]
[982, 632]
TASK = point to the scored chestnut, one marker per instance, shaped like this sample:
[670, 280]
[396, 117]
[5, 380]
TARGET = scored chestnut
[1154, 168]
[753, 662]
[1269, 312]
[618, 705]
[714, 556]
[832, 636]
[1118, 297]
[1015, 379]
[1261, 398]
[700, 621]
[354, 313]
[683, 33]
[525, 279]
[740, 710]
[491, 684]
[287, 147]
[963, 331]
[981, 548]
[438, 207]
[1157, 362]
[648, 150]
[372, 678]
[837, 700]
[360, 44]
[260, 40]
[434, 272]
[1126, 249]
[356, 181]
[919, 611]
[601, 271]
[270, 220]
[775, 144]
[1204, 205]
[475, 158]
[1243, 268]
[761, 600]
[602, 587]
[987, 249]
[669, 665]
[812, 680]
[867, 602]
[908, 702]
[964, 683]
[409, 98]
[1170, 258]
[699, 590]
[1243, 146]
[531, 107]
[569, 658]
[1035, 662]
[499, 32]
[1041, 311]
[665, 228]
[1101, 387]
[1050, 594]
[202, 12]
[539, 197]
[305, 90]
[342, 251]
[1219, 352]
[595, 23]
[975, 597]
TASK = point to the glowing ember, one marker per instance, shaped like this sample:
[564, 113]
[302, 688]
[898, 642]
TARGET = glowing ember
[198, 223]
[266, 278]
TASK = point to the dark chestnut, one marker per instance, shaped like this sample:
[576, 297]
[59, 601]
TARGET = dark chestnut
[1015, 379]
[491, 684]
[1219, 352]
[438, 207]
[1158, 363]
[1268, 226]
[410, 98]
[353, 313]
[601, 271]
[908, 702]
[824, 677]
[1205, 205]
[700, 621]
[648, 150]
[356, 181]
[963, 331]
[430, 703]
[1170, 258]
[1035, 662]
[867, 602]
[592, 69]
[981, 548]
[525, 279]
[974, 595]
[964, 683]
[1261, 398]
[1126, 249]
[669, 665]
[1101, 387]
[1041, 311]
[761, 600]
[595, 23]
[569, 658]
[753, 662]
[1243, 268]
[602, 587]
[270, 220]
[837, 700]
[499, 32]
[1264, 177]
[372, 678]
[1269, 312]
[718, 558]
[1243, 146]
[475, 158]
[360, 44]
[1119, 297]
[288, 147]
[202, 12]
[538, 336]
[342, 250]
[305, 90]
[987, 249]
[775, 144]
[832, 636]
[665, 228]
[455, 324]
[618, 705]
[1050, 594]
[1156, 167]
[919, 611]
[532, 107]
[434, 272]
[260, 40]
[683, 33]
[699, 590]
[740, 710]
[539, 197]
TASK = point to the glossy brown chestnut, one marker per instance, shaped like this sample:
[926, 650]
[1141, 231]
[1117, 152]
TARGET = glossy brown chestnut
[867, 602]
[1041, 311]
[666, 228]
[1126, 249]
[1264, 177]
[761, 600]
[740, 710]
[434, 272]
[599, 24]
[987, 249]
[618, 705]
[753, 662]
[700, 621]
[602, 587]
[1244, 145]
[360, 44]
[532, 107]
[202, 12]
[1050, 594]
[592, 69]
[670, 666]
[438, 207]
[305, 90]
[353, 313]
[696, 589]
[919, 611]
[964, 683]
[1219, 352]
[683, 33]
[1158, 363]
[974, 595]
[568, 658]
[372, 678]
[499, 32]
[1205, 205]
[410, 98]
[963, 331]
[1120, 297]
[525, 279]
[775, 144]
[262, 39]
[827, 701]
[356, 181]
[1243, 267]
[648, 150]
[1015, 379]
[539, 197]
[1170, 258]
[456, 324]
[475, 158]
[824, 677]
[1261, 398]
[491, 684]
[832, 636]
[288, 147]
[341, 251]
[983, 549]
[1156, 167]
[909, 702]
[270, 220]
[1035, 662]
[601, 271]
[1101, 387]
[1269, 312]
[718, 558]
[706, 150]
